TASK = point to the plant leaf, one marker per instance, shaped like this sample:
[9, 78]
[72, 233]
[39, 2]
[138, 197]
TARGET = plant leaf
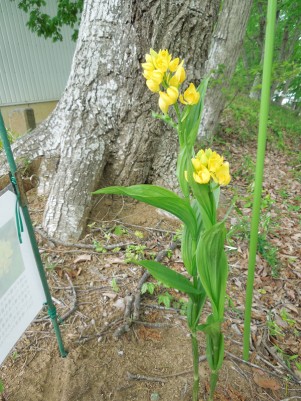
[169, 277]
[158, 197]
[212, 266]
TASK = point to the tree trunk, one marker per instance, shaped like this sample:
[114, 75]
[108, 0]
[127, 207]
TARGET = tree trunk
[102, 132]
[225, 48]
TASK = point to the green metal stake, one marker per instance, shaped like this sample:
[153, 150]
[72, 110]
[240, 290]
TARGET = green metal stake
[263, 119]
[51, 308]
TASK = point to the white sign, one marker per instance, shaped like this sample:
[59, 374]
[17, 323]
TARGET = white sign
[21, 291]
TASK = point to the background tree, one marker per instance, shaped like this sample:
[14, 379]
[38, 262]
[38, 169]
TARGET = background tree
[286, 66]
[101, 131]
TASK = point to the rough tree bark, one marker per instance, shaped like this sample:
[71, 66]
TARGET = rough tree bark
[224, 51]
[101, 131]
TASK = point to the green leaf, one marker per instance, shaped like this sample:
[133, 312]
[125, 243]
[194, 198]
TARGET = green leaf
[188, 248]
[169, 277]
[181, 167]
[212, 266]
[158, 197]
[165, 299]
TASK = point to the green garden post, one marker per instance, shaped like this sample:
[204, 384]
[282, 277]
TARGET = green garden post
[51, 308]
[263, 120]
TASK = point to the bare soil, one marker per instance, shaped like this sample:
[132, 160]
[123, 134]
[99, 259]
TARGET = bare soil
[152, 360]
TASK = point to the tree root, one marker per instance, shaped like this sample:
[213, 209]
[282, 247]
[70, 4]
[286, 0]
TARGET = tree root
[132, 302]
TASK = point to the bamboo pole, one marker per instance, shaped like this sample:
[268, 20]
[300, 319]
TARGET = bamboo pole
[263, 120]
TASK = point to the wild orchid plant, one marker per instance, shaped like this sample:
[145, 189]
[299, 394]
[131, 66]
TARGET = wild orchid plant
[200, 176]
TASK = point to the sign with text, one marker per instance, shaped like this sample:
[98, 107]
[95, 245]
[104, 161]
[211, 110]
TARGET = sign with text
[21, 291]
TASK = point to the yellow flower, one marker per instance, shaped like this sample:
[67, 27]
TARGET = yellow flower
[207, 165]
[203, 156]
[162, 60]
[156, 76]
[147, 74]
[163, 105]
[168, 98]
[173, 65]
[222, 174]
[202, 176]
[191, 95]
[173, 81]
[152, 85]
[214, 162]
[148, 66]
[197, 164]
[180, 74]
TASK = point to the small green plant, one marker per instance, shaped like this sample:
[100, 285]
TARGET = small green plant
[99, 247]
[1, 387]
[287, 318]
[274, 329]
[269, 253]
[148, 287]
[139, 234]
[114, 285]
[298, 365]
[119, 230]
[134, 253]
[50, 266]
[107, 236]
[169, 253]
[165, 299]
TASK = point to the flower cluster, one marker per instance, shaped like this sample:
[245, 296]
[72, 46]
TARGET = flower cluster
[208, 164]
[161, 71]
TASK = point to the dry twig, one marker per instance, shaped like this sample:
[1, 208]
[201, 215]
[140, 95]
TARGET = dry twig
[252, 365]
[273, 353]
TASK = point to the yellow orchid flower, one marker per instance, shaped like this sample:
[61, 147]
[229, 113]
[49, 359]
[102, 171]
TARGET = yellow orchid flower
[197, 164]
[156, 76]
[202, 156]
[191, 95]
[214, 162]
[148, 66]
[163, 105]
[202, 176]
[222, 174]
[162, 60]
[173, 65]
[152, 85]
[180, 74]
[168, 98]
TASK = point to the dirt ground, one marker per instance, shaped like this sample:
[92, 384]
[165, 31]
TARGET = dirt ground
[152, 359]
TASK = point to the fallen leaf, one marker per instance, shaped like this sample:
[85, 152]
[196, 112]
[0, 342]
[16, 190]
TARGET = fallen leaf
[83, 258]
[264, 381]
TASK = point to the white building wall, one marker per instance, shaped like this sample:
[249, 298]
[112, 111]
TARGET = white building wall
[32, 69]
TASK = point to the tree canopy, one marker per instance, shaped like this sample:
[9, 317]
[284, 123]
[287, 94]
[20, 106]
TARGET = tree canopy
[68, 13]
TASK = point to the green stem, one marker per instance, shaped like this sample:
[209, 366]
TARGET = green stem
[213, 382]
[178, 113]
[263, 120]
[195, 355]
